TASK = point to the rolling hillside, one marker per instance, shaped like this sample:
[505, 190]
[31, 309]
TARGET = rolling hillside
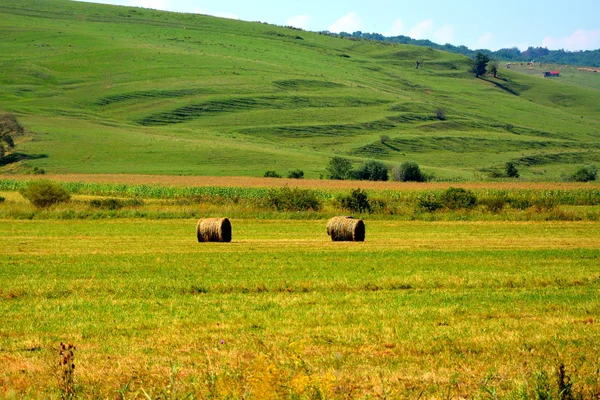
[106, 89]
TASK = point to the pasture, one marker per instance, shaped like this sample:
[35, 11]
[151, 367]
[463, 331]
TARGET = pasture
[420, 309]
[199, 95]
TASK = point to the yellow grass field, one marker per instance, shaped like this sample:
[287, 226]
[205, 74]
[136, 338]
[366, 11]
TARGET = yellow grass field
[419, 310]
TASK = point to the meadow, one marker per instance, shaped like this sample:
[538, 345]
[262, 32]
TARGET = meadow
[442, 309]
[152, 120]
[198, 95]
[436, 307]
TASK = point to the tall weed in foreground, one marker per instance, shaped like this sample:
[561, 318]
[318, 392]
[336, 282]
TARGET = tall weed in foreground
[66, 371]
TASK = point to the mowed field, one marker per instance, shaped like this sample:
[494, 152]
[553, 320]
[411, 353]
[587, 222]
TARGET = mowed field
[419, 310]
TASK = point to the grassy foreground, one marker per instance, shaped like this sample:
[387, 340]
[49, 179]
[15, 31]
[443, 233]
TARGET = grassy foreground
[421, 309]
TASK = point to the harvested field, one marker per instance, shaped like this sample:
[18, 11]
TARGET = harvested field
[434, 308]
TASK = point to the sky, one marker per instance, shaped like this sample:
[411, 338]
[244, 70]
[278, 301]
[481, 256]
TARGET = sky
[569, 25]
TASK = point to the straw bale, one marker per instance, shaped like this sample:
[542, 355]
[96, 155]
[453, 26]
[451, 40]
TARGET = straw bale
[213, 230]
[346, 229]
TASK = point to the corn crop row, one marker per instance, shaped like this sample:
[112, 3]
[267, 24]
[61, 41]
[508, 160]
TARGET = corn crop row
[578, 197]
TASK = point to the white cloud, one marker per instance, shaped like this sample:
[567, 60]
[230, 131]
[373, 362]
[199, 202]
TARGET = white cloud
[349, 23]
[422, 30]
[298, 21]
[397, 29]
[484, 40]
[578, 40]
[227, 15]
[444, 35]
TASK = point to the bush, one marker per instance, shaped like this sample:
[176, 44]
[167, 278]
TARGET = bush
[296, 174]
[357, 201]
[44, 193]
[115, 204]
[408, 172]
[271, 174]
[511, 170]
[440, 114]
[428, 202]
[494, 173]
[286, 199]
[2, 199]
[494, 203]
[458, 198]
[372, 171]
[339, 168]
[38, 171]
[585, 173]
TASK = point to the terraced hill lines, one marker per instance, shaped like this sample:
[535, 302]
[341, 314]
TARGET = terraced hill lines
[113, 89]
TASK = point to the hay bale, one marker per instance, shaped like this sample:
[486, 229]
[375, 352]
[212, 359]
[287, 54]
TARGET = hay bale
[214, 230]
[346, 229]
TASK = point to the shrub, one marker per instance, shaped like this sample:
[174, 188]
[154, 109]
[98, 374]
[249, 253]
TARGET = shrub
[2, 199]
[428, 202]
[408, 171]
[44, 193]
[115, 204]
[286, 199]
[296, 174]
[494, 173]
[271, 174]
[458, 198]
[339, 168]
[372, 171]
[38, 171]
[585, 173]
[510, 168]
[493, 203]
[440, 114]
[357, 201]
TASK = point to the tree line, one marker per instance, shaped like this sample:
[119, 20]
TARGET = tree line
[590, 58]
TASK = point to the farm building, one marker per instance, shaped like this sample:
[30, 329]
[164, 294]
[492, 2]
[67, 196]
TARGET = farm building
[551, 73]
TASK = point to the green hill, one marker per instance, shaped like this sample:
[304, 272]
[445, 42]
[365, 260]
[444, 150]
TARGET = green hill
[107, 89]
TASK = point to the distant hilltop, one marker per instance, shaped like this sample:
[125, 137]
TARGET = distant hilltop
[588, 58]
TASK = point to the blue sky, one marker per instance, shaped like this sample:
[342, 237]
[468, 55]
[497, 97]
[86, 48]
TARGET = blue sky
[569, 25]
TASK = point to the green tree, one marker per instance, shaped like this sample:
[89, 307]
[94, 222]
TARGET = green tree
[510, 169]
[479, 64]
[9, 126]
[271, 174]
[408, 171]
[372, 171]
[339, 168]
[493, 68]
[585, 173]
[296, 174]
[357, 201]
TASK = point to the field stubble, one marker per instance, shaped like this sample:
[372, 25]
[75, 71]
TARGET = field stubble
[431, 309]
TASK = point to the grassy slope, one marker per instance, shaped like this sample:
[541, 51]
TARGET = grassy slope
[127, 90]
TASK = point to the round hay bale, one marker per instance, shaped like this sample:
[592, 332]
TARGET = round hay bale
[213, 230]
[346, 229]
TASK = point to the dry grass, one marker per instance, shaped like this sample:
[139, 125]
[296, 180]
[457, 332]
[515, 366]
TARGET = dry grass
[240, 181]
